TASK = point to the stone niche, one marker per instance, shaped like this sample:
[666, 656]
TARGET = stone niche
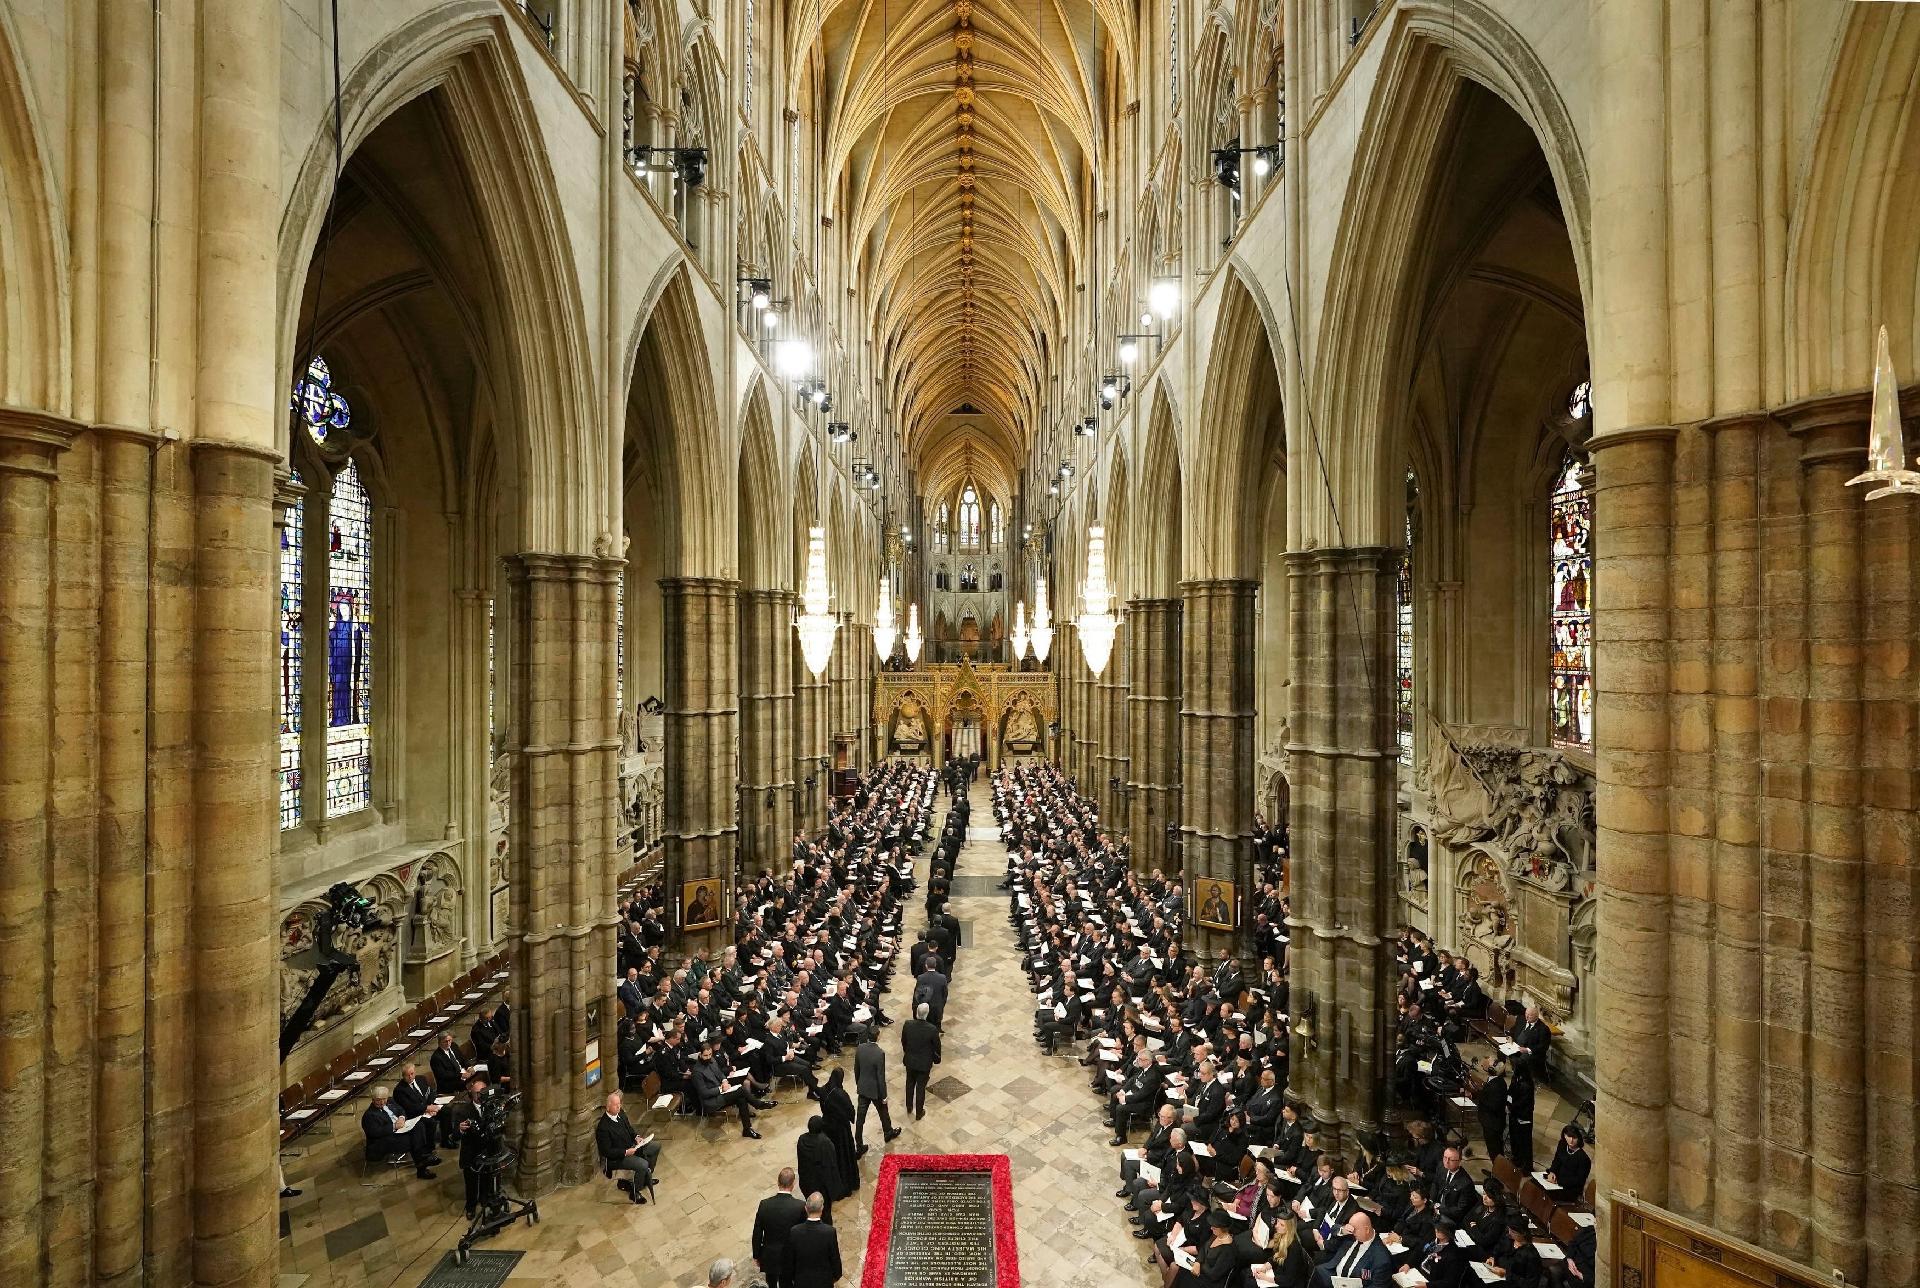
[416, 949]
[1510, 873]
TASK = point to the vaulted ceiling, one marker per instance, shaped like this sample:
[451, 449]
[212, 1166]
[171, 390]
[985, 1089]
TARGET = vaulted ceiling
[962, 144]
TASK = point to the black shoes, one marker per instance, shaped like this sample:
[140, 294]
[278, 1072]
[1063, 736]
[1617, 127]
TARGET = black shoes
[423, 1174]
[749, 1133]
[1118, 1140]
[289, 1192]
[892, 1135]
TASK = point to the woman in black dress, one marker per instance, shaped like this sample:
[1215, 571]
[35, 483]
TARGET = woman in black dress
[1571, 1164]
[1491, 1101]
[1520, 1118]
[837, 1108]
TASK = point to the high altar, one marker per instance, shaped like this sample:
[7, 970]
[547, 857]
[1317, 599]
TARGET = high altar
[953, 709]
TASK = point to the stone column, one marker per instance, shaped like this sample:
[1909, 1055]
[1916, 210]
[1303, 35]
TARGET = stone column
[1086, 721]
[560, 937]
[1110, 705]
[767, 746]
[30, 447]
[807, 739]
[1345, 766]
[703, 730]
[1831, 434]
[1216, 743]
[235, 959]
[1153, 728]
[839, 689]
[1633, 524]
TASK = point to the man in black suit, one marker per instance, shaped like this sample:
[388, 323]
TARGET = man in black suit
[462, 1124]
[390, 1134]
[931, 988]
[870, 1080]
[816, 1249]
[919, 1052]
[413, 1094]
[1453, 1194]
[1537, 1039]
[631, 998]
[710, 1083]
[449, 1071]
[623, 1149]
[773, 1226]
[1209, 1103]
[1355, 1254]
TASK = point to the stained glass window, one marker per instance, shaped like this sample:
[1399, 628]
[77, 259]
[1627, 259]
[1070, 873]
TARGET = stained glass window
[620, 643]
[1580, 401]
[349, 645]
[293, 544]
[1403, 634]
[940, 527]
[999, 527]
[1570, 673]
[969, 518]
[493, 720]
[321, 409]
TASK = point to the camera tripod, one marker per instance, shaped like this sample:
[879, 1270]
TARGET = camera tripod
[495, 1212]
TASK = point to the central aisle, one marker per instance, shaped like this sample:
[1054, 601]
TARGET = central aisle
[995, 1092]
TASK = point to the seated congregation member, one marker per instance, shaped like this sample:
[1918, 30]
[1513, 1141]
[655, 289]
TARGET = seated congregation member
[413, 1094]
[623, 1149]
[1515, 1259]
[1226, 1147]
[1451, 1189]
[1413, 1223]
[715, 1091]
[1355, 1253]
[1442, 1262]
[450, 1072]
[1571, 1164]
[391, 1134]
[1218, 1265]
[1330, 1220]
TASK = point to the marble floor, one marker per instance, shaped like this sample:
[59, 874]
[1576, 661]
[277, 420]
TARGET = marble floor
[995, 1092]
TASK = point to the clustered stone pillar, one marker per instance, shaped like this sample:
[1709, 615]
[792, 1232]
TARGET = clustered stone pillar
[1153, 729]
[767, 746]
[1216, 747]
[1110, 772]
[561, 928]
[1756, 801]
[1340, 634]
[810, 742]
[703, 740]
[1086, 732]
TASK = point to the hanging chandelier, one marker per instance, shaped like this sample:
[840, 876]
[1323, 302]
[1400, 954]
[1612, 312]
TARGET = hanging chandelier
[1886, 470]
[884, 633]
[1019, 639]
[814, 622]
[913, 633]
[1097, 622]
[1042, 622]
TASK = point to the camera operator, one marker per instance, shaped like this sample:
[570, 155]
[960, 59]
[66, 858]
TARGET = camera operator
[468, 1129]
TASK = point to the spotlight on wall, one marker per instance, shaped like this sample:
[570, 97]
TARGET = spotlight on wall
[793, 357]
[759, 291]
[690, 164]
[1164, 296]
[840, 432]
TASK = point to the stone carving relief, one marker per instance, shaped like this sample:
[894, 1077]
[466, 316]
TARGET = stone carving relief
[377, 952]
[436, 910]
[1531, 807]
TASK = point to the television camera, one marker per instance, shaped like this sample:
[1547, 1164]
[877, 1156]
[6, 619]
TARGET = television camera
[482, 1130]
[345, 908]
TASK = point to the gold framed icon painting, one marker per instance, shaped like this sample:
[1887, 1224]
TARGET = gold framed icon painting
[700, 905]
[1214, 904]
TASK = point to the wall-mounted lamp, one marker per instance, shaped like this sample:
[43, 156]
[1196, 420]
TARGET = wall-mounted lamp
[690, 164]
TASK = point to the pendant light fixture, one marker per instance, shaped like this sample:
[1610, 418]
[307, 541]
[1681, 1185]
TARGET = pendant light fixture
[1019, 639]
[1042, 621]
[913, 634]
[1097, 622]
[1886, 470]
[815, 624]
[884, 633]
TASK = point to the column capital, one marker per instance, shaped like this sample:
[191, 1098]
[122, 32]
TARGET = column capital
[1344, 558]
[30, 441]
[699, 585]
[1830, 427]
[1196, 587]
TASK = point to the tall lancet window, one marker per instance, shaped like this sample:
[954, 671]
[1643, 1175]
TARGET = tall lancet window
[326, 564]
[349, 646]
[969, 519]
[293, 547]
[997, 527]
[1570, 610]
[941, 527]
[1403, 632]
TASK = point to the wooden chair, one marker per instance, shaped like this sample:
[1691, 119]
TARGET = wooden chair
[1534, 1199]
[1562, 1228]
[1507, 1174]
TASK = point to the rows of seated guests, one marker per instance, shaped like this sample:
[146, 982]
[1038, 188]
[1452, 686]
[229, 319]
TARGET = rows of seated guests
[1228, 1185]
[813, 949]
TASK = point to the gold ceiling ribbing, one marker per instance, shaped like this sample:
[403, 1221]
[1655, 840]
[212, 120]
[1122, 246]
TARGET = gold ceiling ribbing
[960, 137]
